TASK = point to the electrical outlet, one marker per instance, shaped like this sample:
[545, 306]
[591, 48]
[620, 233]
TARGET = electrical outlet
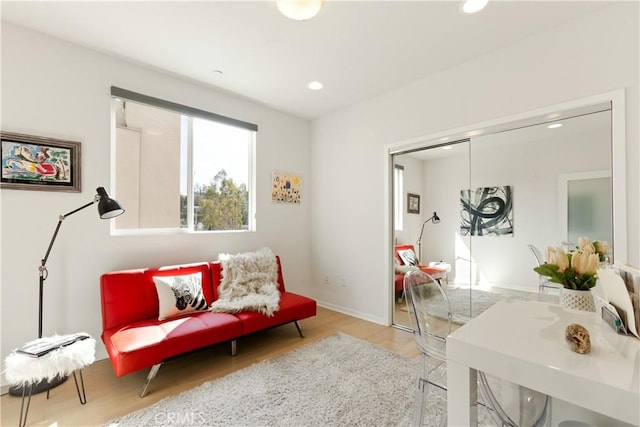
[326, 280]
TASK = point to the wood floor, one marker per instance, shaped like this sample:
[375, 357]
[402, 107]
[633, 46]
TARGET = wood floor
[109, 397]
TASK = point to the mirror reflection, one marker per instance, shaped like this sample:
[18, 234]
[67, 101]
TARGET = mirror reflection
[496, 197]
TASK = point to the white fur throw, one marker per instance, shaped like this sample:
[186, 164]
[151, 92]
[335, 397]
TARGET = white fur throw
[21, 369]
[249, 282]
[404, 269]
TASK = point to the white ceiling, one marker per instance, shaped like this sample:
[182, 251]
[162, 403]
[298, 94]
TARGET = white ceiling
[358, 49]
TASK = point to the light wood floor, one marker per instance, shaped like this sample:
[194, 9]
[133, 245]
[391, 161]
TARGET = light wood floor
[109, 397]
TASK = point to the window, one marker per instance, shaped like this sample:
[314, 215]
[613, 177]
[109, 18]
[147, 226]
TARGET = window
[398, 196]
[177, 167]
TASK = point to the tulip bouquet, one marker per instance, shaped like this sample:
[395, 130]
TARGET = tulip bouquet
[575, 269]
[599, 247]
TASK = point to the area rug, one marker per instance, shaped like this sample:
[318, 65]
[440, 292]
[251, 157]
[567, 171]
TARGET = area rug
[337, 381]
[464, 308]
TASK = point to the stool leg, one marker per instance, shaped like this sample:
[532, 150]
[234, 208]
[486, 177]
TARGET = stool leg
[83, 397]
[25, 411]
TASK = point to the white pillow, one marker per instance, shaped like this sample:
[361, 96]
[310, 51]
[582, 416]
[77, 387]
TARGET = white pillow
[179, 295]
[408, 257]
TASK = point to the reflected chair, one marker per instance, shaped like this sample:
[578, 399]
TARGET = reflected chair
[543, 281]
[528, 408]
[430, 316]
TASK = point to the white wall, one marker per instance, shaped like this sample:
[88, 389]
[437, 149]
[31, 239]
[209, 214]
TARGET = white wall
[55, 89]
[594, 54]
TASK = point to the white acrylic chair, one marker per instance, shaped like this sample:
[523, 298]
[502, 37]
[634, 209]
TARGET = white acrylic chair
[430, 316]
[423, 294]
[543, 281]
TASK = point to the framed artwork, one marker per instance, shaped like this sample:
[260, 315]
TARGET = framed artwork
[413, 203]
[487, 211]
[37, 163]
[286, 188]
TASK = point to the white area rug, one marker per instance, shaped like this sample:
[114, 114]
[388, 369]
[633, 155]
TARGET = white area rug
[337, 381]
[464, 308]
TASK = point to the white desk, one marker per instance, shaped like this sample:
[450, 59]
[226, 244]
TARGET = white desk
[523, 342]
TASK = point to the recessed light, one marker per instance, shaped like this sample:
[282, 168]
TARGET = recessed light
[447, 147]
[315, 85]
[554, 125]
[446, 138]
[217, 73]
[473, 6]
[299, 10]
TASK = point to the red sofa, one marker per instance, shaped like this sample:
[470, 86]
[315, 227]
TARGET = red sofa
[437, 273]
[135, 339]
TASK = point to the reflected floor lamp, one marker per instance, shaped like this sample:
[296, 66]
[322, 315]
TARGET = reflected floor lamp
[436, 219]
[107, 208]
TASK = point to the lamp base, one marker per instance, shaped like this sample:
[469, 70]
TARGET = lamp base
[39, 387]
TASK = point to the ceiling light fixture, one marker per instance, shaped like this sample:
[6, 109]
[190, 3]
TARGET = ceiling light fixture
[473, 6]
[315, 85]
[300, 10]
[554, 125]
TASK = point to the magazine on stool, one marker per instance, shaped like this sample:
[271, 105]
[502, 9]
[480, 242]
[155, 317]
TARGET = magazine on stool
[40, 347]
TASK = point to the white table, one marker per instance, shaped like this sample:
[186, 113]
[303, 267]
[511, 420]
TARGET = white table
[523, 342]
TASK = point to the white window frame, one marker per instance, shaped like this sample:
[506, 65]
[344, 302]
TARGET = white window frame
[398, 197]
[190, 113]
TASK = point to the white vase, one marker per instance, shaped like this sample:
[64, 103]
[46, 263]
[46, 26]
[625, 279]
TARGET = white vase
[577, 300]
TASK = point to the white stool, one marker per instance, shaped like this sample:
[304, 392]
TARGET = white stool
[60, 355]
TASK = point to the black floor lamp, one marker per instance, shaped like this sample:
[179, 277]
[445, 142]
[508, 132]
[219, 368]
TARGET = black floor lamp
[107, 208]
[436, 219]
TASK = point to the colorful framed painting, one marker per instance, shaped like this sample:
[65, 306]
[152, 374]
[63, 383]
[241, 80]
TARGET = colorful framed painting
[413, 203]
[37, 163]
[285, 188]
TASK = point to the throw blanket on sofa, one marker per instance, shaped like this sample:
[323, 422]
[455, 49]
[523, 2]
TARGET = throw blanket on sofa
[249, 282]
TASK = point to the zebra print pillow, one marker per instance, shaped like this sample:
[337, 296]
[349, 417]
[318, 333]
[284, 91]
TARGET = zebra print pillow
[179, 295]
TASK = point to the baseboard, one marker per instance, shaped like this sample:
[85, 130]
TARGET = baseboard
[352, 313]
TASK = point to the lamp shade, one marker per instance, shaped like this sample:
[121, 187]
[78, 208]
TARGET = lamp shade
[108, 207]
[436, 218]
[299, 10]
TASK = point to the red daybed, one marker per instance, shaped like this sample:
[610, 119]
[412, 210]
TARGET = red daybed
[135, 339]
[437, 273]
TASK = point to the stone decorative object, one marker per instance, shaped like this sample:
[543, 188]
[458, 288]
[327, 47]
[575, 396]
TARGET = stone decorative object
[578, 336]
[577, 300]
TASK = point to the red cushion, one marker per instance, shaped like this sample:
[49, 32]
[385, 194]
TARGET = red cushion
[130, 296]
[399, 282]
[435, 272]
[145, 343]
[292, 307]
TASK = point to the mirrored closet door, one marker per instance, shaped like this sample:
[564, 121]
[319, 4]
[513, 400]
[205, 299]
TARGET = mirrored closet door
[521, 184]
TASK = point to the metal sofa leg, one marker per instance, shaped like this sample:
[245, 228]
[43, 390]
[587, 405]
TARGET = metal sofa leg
[234, 347]
[152, 374]
[299, 329]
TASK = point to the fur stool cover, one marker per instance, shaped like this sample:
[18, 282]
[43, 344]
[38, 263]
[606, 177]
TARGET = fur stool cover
[22, 369]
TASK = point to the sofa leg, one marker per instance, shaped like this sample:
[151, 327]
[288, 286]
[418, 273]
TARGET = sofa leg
[152, 374]
[299, 329]
[234, 347]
